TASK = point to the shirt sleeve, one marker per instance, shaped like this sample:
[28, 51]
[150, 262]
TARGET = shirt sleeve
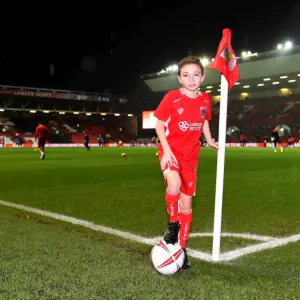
[208, 113]
[163, 111]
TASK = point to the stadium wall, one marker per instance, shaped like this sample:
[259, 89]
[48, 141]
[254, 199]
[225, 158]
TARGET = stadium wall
[77, 145]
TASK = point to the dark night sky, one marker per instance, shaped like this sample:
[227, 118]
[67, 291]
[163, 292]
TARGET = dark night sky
[95, 48]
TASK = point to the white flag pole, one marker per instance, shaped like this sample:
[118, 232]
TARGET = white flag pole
[220, 170]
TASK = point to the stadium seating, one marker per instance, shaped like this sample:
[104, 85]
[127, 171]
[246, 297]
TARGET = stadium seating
[254, 116]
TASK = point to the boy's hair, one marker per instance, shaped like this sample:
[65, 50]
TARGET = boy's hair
[191, 59]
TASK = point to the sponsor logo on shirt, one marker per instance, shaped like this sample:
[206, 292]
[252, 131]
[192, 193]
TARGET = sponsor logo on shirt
[192, 126]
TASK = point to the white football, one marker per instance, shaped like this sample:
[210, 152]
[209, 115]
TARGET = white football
[167, 259]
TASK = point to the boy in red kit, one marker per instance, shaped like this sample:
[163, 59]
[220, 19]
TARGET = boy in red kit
[182, 116]
[41, 135]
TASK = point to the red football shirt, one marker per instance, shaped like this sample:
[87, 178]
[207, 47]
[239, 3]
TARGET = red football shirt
[41, 132]
[184, 119]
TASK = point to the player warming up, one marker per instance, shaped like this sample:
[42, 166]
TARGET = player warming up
[41, 136]
[182, 116]
[276, 140]
[86, 141]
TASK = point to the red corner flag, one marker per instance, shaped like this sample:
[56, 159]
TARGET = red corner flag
[225, 60]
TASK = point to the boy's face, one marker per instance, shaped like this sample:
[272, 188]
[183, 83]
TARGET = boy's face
[191, 77]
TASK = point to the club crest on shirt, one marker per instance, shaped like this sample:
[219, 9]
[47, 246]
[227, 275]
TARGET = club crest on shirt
[203, 111]
[180, 110]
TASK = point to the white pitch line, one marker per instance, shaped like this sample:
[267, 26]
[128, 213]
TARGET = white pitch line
[90, 225]
[270, 241]
[83, 223]
[259, 247]
[200, 255]
[248, 236]
[194, 253]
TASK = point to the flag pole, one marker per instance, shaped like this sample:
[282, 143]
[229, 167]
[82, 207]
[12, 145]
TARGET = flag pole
[220, 170]
[226, 63]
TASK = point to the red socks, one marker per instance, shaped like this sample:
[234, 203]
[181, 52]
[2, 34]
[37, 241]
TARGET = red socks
[172, 206]
[185, 220]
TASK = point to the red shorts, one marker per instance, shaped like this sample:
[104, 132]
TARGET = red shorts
[187, 170]
[41, 143]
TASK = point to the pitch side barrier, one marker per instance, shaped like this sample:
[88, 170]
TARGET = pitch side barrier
[108, 145]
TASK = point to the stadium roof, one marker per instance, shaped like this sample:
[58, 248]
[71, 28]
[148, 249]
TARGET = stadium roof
[269, 71]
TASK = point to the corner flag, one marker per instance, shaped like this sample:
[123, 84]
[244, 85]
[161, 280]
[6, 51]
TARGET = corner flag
[225, 62]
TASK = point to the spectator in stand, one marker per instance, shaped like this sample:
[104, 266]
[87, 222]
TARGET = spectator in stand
[257, 138]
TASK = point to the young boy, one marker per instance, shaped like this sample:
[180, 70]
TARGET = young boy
[182, 116]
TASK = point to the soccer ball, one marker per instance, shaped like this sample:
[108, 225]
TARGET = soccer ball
[123, 154]
[156, 153]
[167, 259]
[281, 150]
